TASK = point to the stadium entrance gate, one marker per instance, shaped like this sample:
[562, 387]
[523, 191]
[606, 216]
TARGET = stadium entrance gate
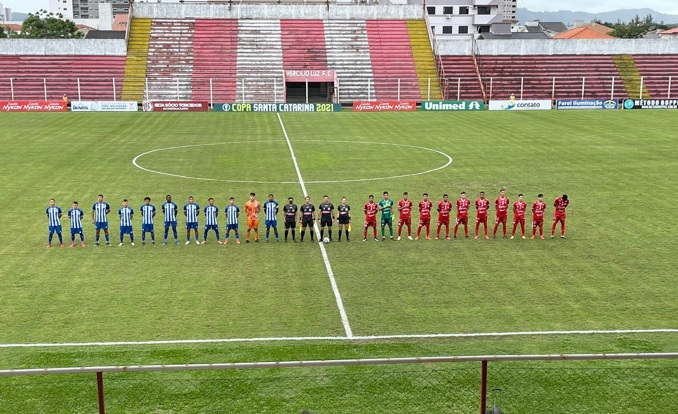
[309, 86]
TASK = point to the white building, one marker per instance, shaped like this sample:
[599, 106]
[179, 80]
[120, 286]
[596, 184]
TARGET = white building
[64, 7]
[85, 9]
[463, 18]
[5, 13]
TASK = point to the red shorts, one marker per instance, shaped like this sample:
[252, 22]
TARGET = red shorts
[481, 220]
[520, 220]
[444, 220]
[405, 221]
[560, 219]
[462, 220]
[424, 221]
[500, 219]
[371, 223]
[538, 223]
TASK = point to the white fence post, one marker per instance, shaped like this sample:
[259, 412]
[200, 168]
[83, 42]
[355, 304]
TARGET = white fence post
[428, 96]
[668, 95]
[553, 89]
[459, 89]
[491, 87]
[398, 88]
[79, 96]
[583, 86]
[11, 86]
[243, 90]
[211, 95]
[146, 86]
[44, 83]
[368, 90]
[114, 97]
[307, 90]
[177, 89]
[612, 91]
[275, 90]
[522, 84]
[642, 80]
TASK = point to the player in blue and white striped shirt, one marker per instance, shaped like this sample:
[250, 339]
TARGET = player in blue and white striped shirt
[147, 213]
[76, 214]
[211, 213]
[232, 212]
[191, 211]
[271, 211]
[100, 210]
[126, 214]
[54, 218]
[170, 210]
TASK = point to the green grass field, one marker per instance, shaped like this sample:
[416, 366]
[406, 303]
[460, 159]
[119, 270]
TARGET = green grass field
[616, 270]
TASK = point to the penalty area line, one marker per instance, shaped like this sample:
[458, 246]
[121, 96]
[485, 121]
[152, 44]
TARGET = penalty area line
[356, 338]
[323, 251]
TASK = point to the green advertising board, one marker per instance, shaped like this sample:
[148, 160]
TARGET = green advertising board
[277, 107]
[452, 106]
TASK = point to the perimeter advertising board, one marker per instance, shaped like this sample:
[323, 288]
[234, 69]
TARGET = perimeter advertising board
[384, 106]
[176, 106]
[586, 104]
[104, 106]
[525, 105]
[33, 106]
[452, 106]
[651, 104]
[276, 107]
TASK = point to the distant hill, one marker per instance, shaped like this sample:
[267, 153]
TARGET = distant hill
[566, 16]
[19, 17]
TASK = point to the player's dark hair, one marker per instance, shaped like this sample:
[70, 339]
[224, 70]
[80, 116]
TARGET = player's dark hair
[445, 195]
[147, 198]
[210, 199]
[463, 192]
[190, 196]
[540, 195]
[51, 199]
[232, 198]
[168, 196]
[75, 202]
[564, 196]
[425, 194]
[290, 198]
[100, 195]
[270, 195]
[343, 198]
[482, 192]
[370, 196]
[520, 195]
[503, 189]
[385, 192]
[405, 193]
[252, 194]
[326, 196]
[124, 200]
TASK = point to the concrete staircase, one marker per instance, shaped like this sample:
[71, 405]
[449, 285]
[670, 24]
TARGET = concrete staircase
[137, 54]
[170, 59]
[260, 62]
[424, 59]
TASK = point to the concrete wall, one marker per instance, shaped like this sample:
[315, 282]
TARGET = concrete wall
[558, 47]
[52, 47]
[277, 11]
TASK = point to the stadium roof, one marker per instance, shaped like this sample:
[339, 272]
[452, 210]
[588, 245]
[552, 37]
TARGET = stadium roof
[583, 32]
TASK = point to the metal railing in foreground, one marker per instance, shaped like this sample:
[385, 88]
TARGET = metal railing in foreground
[586, 383]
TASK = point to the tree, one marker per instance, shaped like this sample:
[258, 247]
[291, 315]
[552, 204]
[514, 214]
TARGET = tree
[45, 25]
[3, 34]
[636, 28]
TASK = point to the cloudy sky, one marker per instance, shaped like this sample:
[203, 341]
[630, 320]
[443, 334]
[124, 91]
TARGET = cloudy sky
[665, 6]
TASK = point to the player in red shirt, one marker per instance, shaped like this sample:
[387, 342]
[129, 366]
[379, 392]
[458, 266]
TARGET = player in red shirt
[405, 208]
[501, 204]
[538, 209]
[519, 208]
[444, 209]
[561, 204]
[482, 206]
[425, 207]
[371, 209]
[463, 204]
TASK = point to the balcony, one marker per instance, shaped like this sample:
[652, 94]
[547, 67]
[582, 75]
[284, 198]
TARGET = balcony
[486, 19]
[486, 2]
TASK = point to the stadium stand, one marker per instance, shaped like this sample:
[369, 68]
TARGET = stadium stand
[348, 52]
[137, 56]
[393, 67]
[260, 63]
[303, 44]
[656, 70]
[58, 75]
[461, 80]
[424, 59]
[170, 59]
[215, 56]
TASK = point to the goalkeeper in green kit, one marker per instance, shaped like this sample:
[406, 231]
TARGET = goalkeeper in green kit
[386, 208]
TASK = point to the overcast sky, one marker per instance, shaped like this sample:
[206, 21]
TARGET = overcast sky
[665, 6]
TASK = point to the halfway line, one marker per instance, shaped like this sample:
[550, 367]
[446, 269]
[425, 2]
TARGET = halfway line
[326, 259]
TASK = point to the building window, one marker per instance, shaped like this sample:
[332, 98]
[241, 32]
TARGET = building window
[447, 29]
[463, 29]
[463, 10]
[448, 10]
[483, 29]
[433, 29]
[431, 11]
[484, 9]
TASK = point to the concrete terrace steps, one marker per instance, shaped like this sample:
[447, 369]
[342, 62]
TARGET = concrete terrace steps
[170, 59]
[259, 61]
[348, 52]
[137, 55]
[215, 48]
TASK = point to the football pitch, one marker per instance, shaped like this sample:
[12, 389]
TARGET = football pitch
[616, 271]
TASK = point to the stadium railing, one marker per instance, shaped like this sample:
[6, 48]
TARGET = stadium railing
[218, 90]
[579, 383]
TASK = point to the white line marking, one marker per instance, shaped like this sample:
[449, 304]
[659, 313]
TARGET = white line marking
[326, 259]
[135, 162]
[342, 338]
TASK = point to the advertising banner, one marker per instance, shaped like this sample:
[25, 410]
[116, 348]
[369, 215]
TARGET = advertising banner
[304, 75]
[176, 106]
[586, 104]
[33, 106]
[384, 106]
[513, 105]
[452, 106]
[276, 107]
[651, 104]
[104, 106]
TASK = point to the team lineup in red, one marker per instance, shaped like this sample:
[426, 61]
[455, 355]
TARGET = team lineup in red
[463, 205]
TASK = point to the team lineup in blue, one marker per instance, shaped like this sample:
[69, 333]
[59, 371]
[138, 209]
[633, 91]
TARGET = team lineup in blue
[306, 215]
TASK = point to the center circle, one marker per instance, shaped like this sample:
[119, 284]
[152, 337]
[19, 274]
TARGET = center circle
[447, 163]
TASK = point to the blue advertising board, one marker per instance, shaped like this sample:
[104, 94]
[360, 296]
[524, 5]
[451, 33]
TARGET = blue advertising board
[586, 104]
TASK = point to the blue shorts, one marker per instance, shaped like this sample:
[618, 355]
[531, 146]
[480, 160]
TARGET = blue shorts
[76, 231]
[272, 223]
[101, 225]
[126, 230]
[230, 227]
[147, 227]
[53, 229]
[193, 225]
[211, 227]
[170, 223]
